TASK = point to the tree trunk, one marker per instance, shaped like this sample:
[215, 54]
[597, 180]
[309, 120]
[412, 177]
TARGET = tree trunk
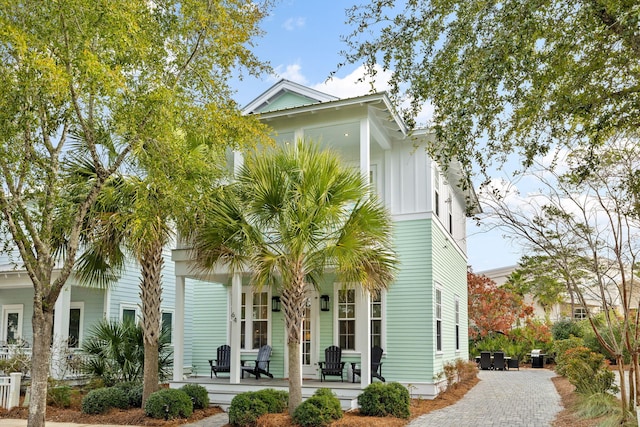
[295, 376]
[42, 320]
[151, 297]
[293, 303]
[623, 385]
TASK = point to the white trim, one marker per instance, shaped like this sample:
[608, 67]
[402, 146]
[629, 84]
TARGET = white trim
[6, 310]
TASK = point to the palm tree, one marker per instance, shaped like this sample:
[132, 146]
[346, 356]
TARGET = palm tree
[294, 213]
[138, 215]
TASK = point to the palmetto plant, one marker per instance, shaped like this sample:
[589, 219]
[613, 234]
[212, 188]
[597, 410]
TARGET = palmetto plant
[115, 352]
[293, 214]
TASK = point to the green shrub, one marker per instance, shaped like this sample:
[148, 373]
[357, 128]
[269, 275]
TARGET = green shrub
[59, 396]
[245, 409]
[319, 410]
[100, 400]
[168, 404]
[114, 351]
[198, 394]
[560, 348]
[587, 371]
[133, 391]
[565, 329]
[275, 400]
[380, 400]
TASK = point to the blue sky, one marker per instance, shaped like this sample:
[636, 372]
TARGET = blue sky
[302, 43]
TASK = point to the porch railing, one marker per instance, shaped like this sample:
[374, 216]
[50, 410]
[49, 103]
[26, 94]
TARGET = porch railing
[66, 364]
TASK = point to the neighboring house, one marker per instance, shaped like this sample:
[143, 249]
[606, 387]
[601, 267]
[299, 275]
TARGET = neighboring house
[78, 308]
[562, 310]
[420, 322]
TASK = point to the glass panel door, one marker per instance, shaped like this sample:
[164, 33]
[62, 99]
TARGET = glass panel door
[309, 347]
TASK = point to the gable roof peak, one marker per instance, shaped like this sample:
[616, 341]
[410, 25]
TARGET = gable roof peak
[281, 87]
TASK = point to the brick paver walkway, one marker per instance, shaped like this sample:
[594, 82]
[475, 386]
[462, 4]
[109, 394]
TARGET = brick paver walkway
[511, 398]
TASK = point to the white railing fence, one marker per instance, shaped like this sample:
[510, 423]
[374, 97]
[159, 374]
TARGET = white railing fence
[10, 390]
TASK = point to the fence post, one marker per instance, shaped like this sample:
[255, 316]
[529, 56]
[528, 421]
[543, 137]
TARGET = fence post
[14, 390]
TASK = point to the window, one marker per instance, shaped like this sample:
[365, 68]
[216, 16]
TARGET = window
[128, 313]
[457, 309]
[243, 320]
[376, 320]
[260, 319]
[12, 322]
[438, 320]
[347, 319]
[76, 314]
[450, 223]
[167, 325]
[580, 313]
[254, 322]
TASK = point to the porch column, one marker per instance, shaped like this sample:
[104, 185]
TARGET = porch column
[236, 307]
[364, 331]
[365, 149]
[60, 332]
[178, 336]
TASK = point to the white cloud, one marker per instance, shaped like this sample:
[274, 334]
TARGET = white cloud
[294, 23]
[290, 72]
[349, 86]
[357, 84]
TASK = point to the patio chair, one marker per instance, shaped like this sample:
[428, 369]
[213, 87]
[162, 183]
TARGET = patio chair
[333, 364]
[513, 363]
[498, 361]
[376, 365]
[260, 365]
[222, 362]
[485, 360]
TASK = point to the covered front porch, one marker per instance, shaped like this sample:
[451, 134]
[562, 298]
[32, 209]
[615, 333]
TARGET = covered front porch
[222, 391]
[226, 322]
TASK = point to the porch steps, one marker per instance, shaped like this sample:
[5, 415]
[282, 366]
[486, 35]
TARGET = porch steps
[222, 394]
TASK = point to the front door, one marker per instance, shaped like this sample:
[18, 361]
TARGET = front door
[309, 338]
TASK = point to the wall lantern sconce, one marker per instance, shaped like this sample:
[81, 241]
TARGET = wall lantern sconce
[275, 303]
[324, 302]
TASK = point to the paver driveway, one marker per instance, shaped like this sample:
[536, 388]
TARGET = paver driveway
[502, 398]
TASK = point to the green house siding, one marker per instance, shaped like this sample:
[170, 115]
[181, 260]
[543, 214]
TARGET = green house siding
[428, 260]
[450, 275]
[22, 296]
[93, 300]
[209, 310]
[408, 307]
[287, 100]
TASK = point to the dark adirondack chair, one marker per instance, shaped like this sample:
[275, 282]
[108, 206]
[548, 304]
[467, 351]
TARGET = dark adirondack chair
[260, 365]
[333, 364]
[498, 361]
[376, 365]
[485, 360]
[223, 361]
